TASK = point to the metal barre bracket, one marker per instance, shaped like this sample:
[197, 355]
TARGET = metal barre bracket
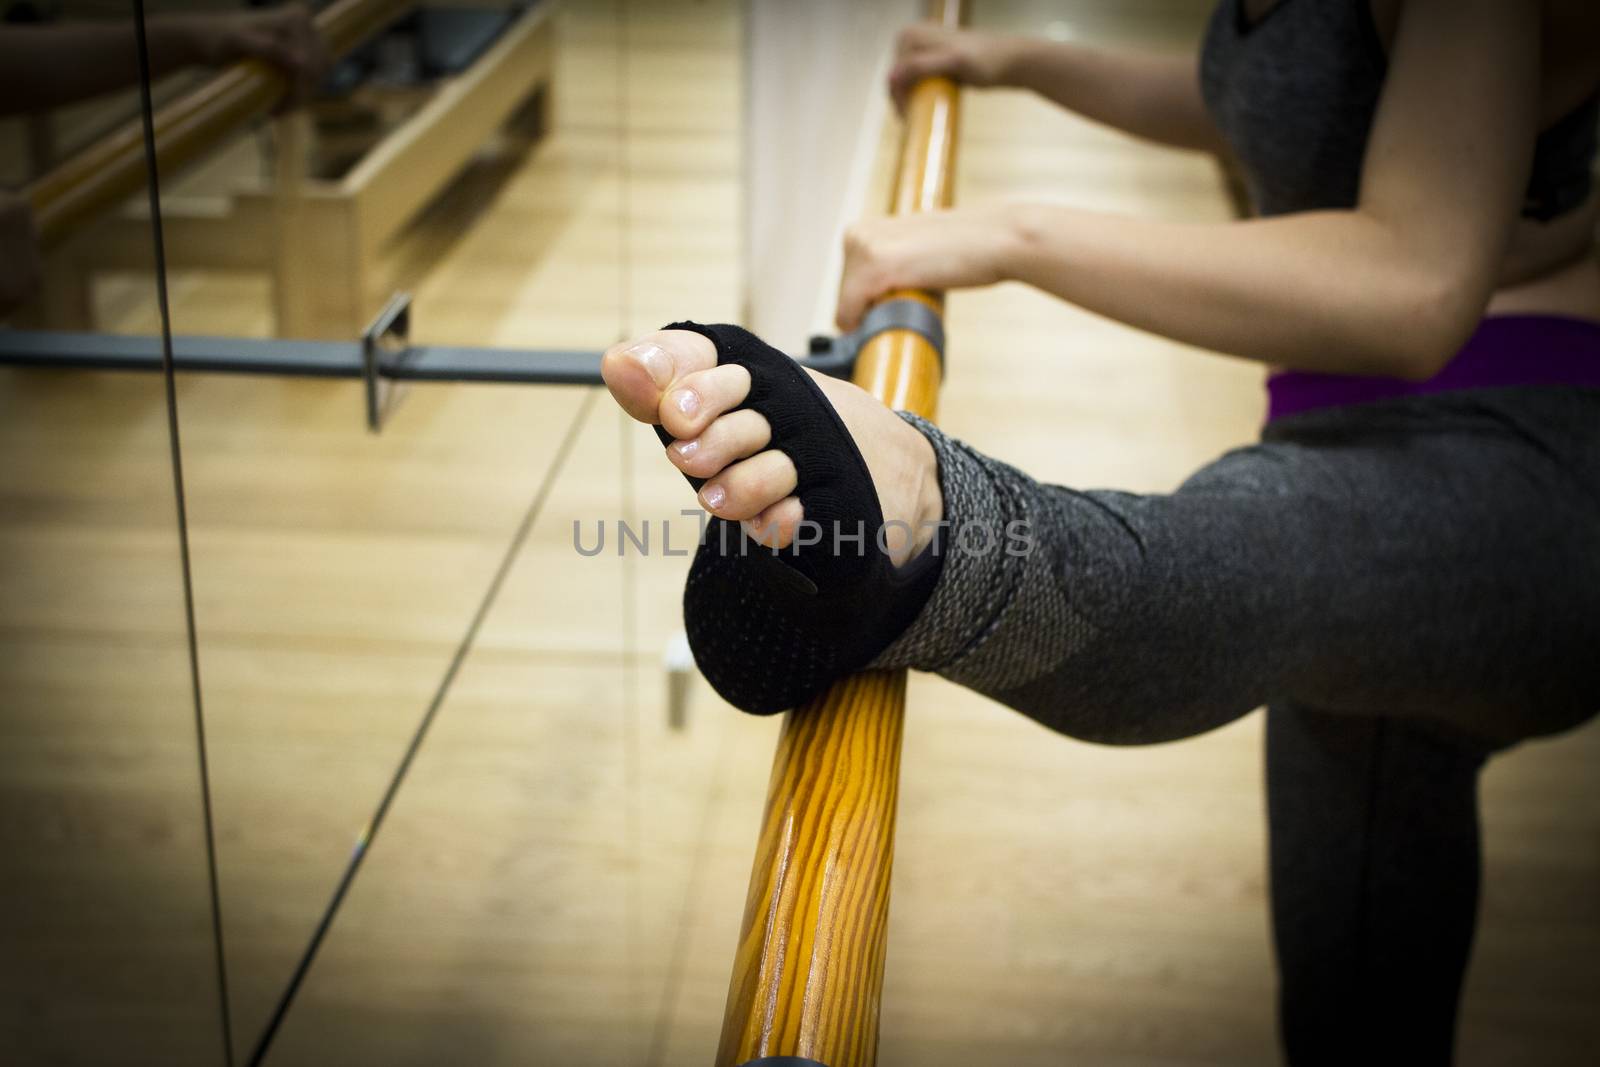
[836, 356]
[393, 322]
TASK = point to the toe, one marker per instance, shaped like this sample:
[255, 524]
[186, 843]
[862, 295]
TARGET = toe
[639, 372]
[694, 401]
[775, 527]
[734, 436]
[749, 487]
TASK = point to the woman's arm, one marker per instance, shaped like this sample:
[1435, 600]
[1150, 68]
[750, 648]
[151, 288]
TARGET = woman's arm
[1392, 286]
[1155, 97]
[43, 67]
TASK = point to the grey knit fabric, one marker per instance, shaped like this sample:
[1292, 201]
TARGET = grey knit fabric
[1410, 584]
[1435, 557]
[995, 620]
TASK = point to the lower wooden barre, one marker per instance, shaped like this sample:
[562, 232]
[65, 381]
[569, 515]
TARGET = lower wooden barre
[808, 974]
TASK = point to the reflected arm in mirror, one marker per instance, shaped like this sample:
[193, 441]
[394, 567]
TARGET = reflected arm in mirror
[43, 67]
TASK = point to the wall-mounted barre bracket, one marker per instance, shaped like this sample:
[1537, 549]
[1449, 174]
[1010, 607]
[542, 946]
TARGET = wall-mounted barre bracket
[836, 356]
[391, 326]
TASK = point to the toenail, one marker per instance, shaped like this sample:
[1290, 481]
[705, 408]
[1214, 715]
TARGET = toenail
[687, 401]
[685, 449]
[713, 495]
[655, 360]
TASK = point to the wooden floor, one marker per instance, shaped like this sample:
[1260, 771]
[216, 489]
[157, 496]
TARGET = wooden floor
[559, 881]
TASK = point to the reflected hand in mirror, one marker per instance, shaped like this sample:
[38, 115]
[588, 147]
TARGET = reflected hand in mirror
[285, 37]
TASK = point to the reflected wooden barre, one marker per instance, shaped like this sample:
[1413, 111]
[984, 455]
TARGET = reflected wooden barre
[808, 970]
[113, 168]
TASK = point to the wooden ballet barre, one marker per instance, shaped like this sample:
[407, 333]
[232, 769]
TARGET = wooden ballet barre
[808, 970]
[113, 167]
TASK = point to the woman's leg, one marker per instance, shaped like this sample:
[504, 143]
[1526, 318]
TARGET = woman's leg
[1373, 830]
[1431, 559]
[1394, 558]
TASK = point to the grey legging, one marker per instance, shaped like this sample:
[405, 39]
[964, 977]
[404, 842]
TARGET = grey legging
[1409, 585]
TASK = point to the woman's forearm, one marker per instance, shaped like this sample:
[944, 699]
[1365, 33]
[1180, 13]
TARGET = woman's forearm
[42, 67]
[1322, 291]
[1154, 97]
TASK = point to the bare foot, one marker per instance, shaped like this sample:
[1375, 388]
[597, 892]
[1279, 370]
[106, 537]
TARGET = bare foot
[671, 378]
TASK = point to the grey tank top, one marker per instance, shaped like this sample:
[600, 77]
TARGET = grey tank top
[1295, 93]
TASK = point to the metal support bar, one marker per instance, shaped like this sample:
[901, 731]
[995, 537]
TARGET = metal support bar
[69, 350]
[382, 357]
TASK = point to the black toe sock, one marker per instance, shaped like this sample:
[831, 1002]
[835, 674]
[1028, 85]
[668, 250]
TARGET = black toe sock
[771, 630]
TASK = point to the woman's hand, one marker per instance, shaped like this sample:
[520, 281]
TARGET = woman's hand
[925, 50]
[939, 250]
[285, 37]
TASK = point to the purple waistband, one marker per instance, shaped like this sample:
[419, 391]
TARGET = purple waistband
[1505, 350]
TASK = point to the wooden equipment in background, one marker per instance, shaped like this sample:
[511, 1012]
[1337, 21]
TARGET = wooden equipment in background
[320, 240]
[808, 970]
[330, 276]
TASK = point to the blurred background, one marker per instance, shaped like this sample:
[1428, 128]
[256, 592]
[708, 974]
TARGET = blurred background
[385, 617]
